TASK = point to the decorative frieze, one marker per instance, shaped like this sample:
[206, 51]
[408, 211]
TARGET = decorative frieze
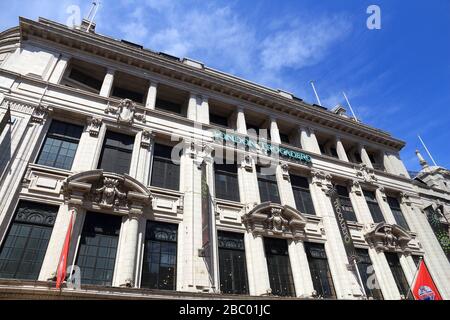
[126, 112]
[146, 138]
[103, 190]
[386, 237]
[40, 112]
[365, 173]
[275, 220]
[94, 125]
[322, 179]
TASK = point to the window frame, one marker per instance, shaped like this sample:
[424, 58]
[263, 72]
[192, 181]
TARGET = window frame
[301, 190]
[372, 203]
[236, 194]
[116, 148]
[163, 159]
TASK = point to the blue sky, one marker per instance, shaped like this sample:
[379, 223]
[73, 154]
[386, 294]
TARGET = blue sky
[397, 78]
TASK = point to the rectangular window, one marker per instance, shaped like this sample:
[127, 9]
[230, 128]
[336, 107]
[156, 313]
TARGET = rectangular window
[25, 244]
[218, 120]
[302, 194]
[397, 272]
[232, 265]
[226, 182]
[358, 157]
[374, 208]
[333, 152]
[268, 188]
[98, 248]
[116, 153]
[347, 207]
[60, 145]
[368, 277]
[168, 106]
[320, 271]
[279, 266]
[397, 212]
[165, 173]
[160, 256]
[284, 138]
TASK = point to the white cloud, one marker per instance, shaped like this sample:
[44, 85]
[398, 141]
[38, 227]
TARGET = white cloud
[302, 44]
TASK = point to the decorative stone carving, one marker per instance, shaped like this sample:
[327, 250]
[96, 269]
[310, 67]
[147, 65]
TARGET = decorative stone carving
[96, 189]
[247, 163]
[285, 171]
[386, 237]
[404, 198]
[322, 179]
[126, 112]
[355, 187]
[274, 219]
[94, 125]
[40, 112]
[146, 138]
[365, 173]
[383, 193]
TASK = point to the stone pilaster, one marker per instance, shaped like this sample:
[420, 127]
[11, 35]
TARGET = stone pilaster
[300, 269]
[312, 142]
[151, 95]
[364, 156]
[274, 132]
[192, 107]
[341, 150]
[241, 125]
[90, 146]
[60, 68]
[107, 84]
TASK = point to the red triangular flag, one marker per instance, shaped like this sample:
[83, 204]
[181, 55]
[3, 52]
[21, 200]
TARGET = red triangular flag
[424, 287]
[62, 266]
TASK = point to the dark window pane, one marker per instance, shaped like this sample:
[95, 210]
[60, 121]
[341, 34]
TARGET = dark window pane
[168, 106]
[160, 256]
[232, 264]
[128, 94]
[320, 271]
[218, 120]
[284, 138]
[347, 207]
[397, 272]
[279, 266]
[116, 153]
[334, 152]
[86, 79]
[368, 276]
[60, 145]
[226, 182]
[374, 208]
[302, 195]
[24, 247]
[165, 173]
[268, 188]
[397, 212]
[98, 248]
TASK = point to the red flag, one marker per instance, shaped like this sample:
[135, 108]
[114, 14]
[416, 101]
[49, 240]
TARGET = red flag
[424, 287]
[62, 266]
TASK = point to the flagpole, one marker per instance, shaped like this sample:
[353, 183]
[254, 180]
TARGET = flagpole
[414, 279]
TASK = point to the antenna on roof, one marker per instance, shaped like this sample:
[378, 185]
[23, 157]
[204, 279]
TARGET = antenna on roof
[350, 106]
[426, 149]
[315, 92]
[92, 13]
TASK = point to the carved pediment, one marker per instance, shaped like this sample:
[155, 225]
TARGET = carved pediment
[108, 191]
[126, 112]
[274, 219]
[386, 237]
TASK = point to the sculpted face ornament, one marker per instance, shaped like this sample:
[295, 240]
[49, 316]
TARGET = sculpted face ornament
[389, 240]
[276, 222]
[109, 195]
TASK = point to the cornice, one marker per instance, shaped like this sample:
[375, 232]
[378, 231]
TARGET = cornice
[207, 79]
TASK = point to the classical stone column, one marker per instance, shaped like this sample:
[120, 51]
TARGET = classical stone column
[384, 275]
[341, 150]
[24, 148]
[312, 142]
[241, 125]
[364, 156]
[90, 146]
[302, 137]
[142, 156]
[108, 82]
[284, 184]
[274, 132]
[192, 107]
[60, 68]
[151, 95]
[388, 164]
[300, 269]
[203, 110]
[56, 242]
[384, 206]
[192, 273]
[345, 281]
[124, 275]
[398, 165]
[359, 203]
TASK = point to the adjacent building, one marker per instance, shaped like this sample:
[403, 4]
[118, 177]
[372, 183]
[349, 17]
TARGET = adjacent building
[183, 181]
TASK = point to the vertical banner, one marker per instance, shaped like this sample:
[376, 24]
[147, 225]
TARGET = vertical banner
[436, 218]
[424, 287]
[206, 208]
[343, 227]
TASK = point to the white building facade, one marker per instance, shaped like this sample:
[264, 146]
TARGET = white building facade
[183, 179]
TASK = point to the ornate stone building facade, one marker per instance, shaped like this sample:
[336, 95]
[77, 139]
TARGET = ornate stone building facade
[163, 163]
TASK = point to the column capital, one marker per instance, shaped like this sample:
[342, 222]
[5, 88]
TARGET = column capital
[94, 125]
[147, 137]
